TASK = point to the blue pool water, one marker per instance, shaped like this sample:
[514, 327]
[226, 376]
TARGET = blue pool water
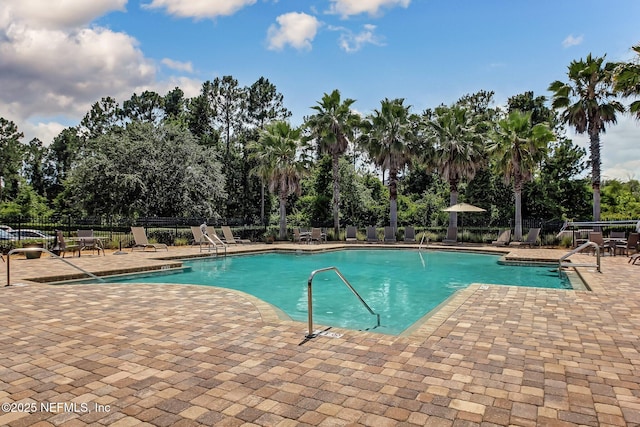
[400, 285]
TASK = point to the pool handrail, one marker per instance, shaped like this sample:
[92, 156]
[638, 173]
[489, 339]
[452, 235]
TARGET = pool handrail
[579, 249]
[16, 250]
[213, 241]
[346, 282]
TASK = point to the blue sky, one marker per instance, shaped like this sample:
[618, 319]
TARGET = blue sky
[59, 59]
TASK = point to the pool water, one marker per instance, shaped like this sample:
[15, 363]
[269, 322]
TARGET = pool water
[402, 286]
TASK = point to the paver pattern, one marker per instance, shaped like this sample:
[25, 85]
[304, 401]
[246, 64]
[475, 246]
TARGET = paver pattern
[128, 355]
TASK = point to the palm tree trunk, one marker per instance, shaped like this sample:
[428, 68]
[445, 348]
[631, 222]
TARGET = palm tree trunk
[393, 198]
[283, 217]
[517, 189]
[594, 139]
[453, 199]
[336, 195]
[262, 202]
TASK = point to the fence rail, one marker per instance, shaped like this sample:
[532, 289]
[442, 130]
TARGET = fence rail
[116, 231]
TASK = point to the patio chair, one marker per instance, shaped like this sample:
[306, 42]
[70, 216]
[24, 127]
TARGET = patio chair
[389, 235]
[141, 241]
[503, 238]
[409, 234]
[530, 240]
[230, 239]
[452, 236]
[372, 235]
[351, 234]
[629, 246]
[300, 236]
[596, 237]
[90, 242]
[618, 235]
[317, 235]
[633, 258]
[62, 246]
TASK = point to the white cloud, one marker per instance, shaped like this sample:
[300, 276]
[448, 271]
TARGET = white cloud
[51, 71]
[572, 41]
[620, 152]
[45, 132]
[177, 65]
[295, 29]
[346, 8]
[56, 14]
[351, 42]
[57, 72]
[199, 8]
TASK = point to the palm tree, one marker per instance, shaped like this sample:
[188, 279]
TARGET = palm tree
[458, 149]
[333, 126]
[587, 104]
[627, 81]
[277, 153]
[519, 147]
[389, 136]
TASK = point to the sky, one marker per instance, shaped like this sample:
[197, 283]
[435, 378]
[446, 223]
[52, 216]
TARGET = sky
[59, 57]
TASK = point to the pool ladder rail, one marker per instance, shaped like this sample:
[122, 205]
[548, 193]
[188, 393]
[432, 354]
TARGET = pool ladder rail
[346, 282]
[24, 250]
[212, 242]
[580, 248]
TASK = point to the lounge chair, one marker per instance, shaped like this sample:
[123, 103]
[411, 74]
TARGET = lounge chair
[90, 242]
[197, 235]
[141, 241]
[503, 238]
[351, 234]
[372, 234]
[230, 239]
[62, 246]
[630, 245]
[199, 238]
[530, 240]
[389, 235]
[452, 236]
[409, 234]
[633, 258]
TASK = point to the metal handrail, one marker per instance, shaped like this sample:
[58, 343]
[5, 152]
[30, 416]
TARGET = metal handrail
[346, 282]
[16, 250]
[581, 248]
[422, 240]
[215, 241]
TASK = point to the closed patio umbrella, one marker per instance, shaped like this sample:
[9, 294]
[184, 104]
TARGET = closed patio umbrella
[463, 207]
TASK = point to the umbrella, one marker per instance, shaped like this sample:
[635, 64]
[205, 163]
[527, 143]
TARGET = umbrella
[463, 207]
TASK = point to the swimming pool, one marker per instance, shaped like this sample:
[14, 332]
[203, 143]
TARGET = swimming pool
[401, 285]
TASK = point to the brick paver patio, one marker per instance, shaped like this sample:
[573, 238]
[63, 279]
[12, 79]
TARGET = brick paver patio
[127, 355]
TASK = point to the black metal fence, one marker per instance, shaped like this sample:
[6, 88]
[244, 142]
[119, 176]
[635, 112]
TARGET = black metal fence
[116, 231]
